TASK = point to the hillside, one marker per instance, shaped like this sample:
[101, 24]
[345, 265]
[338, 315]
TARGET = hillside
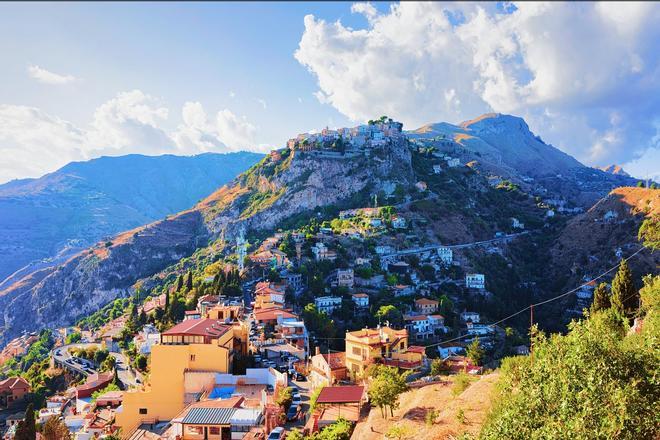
[83, 202]
[284, 190]
[502, 146]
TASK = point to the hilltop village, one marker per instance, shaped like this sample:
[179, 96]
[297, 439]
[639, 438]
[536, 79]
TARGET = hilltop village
[302, 331]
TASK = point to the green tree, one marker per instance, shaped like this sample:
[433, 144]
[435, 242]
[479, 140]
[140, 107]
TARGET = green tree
[179, 283]
[340, 430]
[601, 298]
[386, 386]
[27, 429]
[295, 434]
[389, 313]
[640, 184]
[438, 367]
[72, 338]
[189, 281]
[649, 233]
[625, 298]
[284, 398]
[141, 362]
[475, 352]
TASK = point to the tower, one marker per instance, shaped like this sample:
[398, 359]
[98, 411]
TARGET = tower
[241, 249]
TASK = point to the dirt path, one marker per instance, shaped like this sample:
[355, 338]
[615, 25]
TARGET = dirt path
[415, 404]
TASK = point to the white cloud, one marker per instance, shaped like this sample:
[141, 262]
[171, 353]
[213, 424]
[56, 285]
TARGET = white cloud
[232, 94]
[364, 8]
[48, 77]
[262, 103]
[225, 132]
[33, 142]
[567, 68]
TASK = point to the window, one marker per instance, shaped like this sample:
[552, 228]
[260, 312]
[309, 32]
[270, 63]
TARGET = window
[195, 430]
[143, 410]
[214, 430]
[357, 351]
[192, 358]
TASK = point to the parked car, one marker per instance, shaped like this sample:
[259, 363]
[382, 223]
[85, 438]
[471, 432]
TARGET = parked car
[292, 413]
[300, 377]
[276, 434]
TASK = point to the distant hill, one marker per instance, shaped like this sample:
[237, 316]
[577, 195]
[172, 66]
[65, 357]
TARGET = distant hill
[503, 146]
[615, 169]
[83, 202]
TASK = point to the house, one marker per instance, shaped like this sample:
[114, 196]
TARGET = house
[146, 338]
[426, 306]
[437, 323]
[216, 420]
[361, 261]
[418, 326]
[402, 290]
[12, 390]
[327, 368]
[361, 300]
[375, 222]
[322, 253]
[453, 162]
[271, 315]
[193, 345]
[342, 278]
[399, 267]
[421, 185]
[384, 250]
[470, 316]
[475, 281]
[336, 402]
[380, 345]
[327, 304]
[437, 169]
[446, 254]
[515, 224]
[293, 280]
[94, 382]
[191, 314]
[399, 222]
[475, 329]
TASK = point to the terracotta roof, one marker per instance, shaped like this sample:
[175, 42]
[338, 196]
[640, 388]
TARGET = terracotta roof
[335, 360]
[360, 295]
[341, 394]
[271, 313]
[426, 301]
[436, 316]
[13, 382]
[416, 318]
[199, 327]
[416, 349]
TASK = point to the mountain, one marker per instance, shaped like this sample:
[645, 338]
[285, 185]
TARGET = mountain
[317, 179]
[615, 169]
[51, 217]
[502, 146]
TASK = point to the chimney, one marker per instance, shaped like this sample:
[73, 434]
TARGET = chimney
[317, 351]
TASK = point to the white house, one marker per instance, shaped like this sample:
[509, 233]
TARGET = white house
[383, 250]
[446, 254]
[475, 329]
[475, 281]
[375, 222]
[437, 322]
[470, 316]
[515, 223]
[361, 300]
[453, 162]
[399, 223]
[437, 168]
[147, 338]
[321, 252]
[418, 326]
[327, 304]
[402, 290]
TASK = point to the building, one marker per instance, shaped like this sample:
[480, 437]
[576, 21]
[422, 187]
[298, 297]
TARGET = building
[453, 162]
[342, 278]
[293, 280]
[402, 290]
[327, 304]
[475, 281]
[399, 222]
[327, 369]
[446, 254]
[381, 345]
[437, 323]
[270, 258]
[361, 300]
[437, 169]
[426, 306]
[194, 345]
[322, 253]
[399, 267]
[418, 326]
[272, 315]
[470, 316]
[515, 224]
[334, 402]
[12, 390]
[94, 382]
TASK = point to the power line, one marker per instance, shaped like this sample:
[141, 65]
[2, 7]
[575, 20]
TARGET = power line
[544, 301]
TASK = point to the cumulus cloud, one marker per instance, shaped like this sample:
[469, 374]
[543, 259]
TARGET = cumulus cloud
[224, 132]
[583, 75]
[33, 142]
[48, 77]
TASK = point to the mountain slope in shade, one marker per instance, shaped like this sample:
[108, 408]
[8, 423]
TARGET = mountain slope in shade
[84, 202]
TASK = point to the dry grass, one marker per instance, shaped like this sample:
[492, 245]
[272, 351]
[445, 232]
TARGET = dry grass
[415, 404]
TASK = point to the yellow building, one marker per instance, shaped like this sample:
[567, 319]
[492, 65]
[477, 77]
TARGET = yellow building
[368, 346]
[193, 345]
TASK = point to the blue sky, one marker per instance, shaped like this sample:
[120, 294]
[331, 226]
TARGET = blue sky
[86, 79]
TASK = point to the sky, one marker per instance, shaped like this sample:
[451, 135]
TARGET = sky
[82, 80]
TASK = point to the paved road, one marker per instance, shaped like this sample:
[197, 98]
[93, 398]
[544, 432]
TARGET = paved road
[63, 357]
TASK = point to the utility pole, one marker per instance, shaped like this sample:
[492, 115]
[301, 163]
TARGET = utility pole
[531, 336]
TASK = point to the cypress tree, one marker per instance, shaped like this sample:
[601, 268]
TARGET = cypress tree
[179, 283]
[625, 298]
[189, 281]
[27, 430]
[601, 298]
[167, 299]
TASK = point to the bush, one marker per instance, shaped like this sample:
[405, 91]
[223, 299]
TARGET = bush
[461, 383]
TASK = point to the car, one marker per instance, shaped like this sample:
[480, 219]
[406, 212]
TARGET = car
[281, 368]
[296, 402]
[292, 373]
[276, 434]
[300, 377]
[292, 413]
